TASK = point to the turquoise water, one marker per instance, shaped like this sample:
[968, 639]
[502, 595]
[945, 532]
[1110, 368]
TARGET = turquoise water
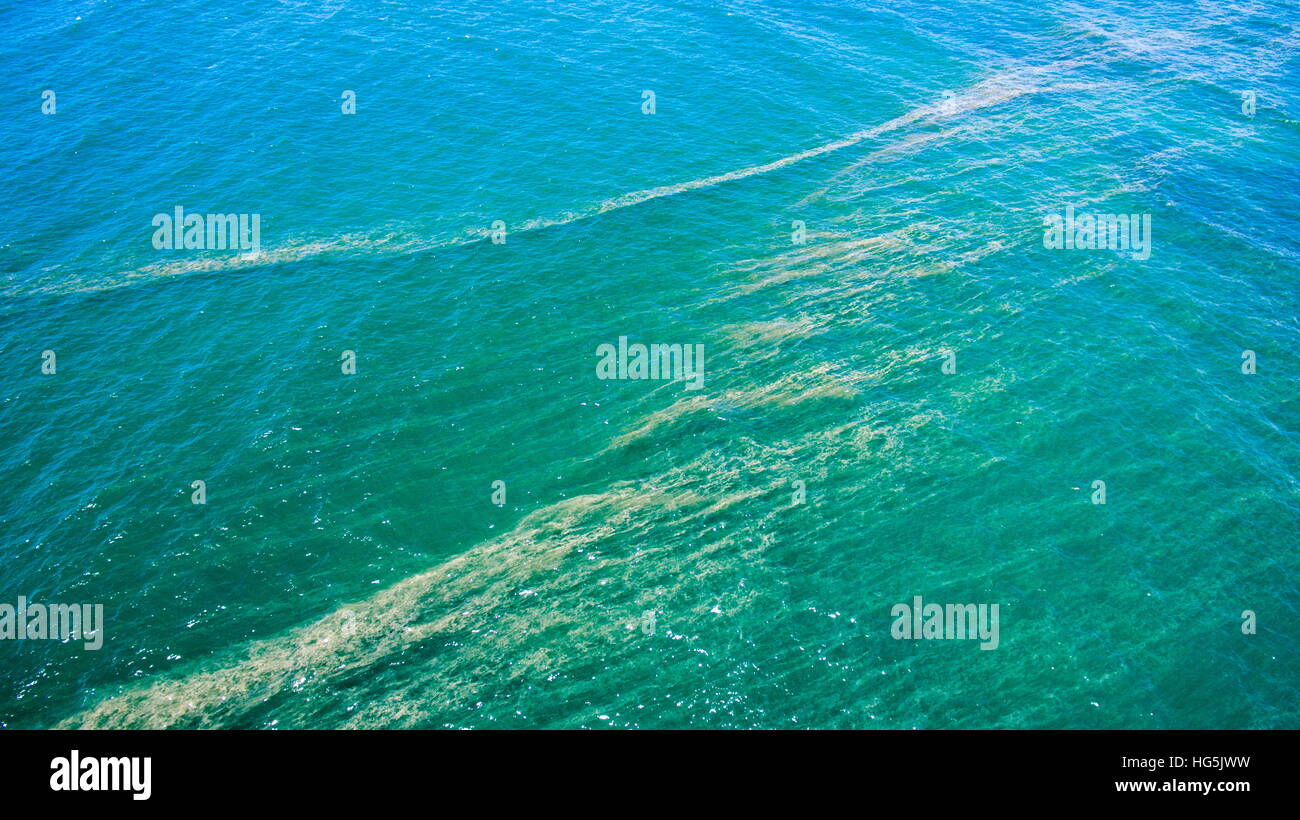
[350, 567]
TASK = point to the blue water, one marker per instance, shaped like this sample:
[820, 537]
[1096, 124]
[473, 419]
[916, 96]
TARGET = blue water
[351, 567]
